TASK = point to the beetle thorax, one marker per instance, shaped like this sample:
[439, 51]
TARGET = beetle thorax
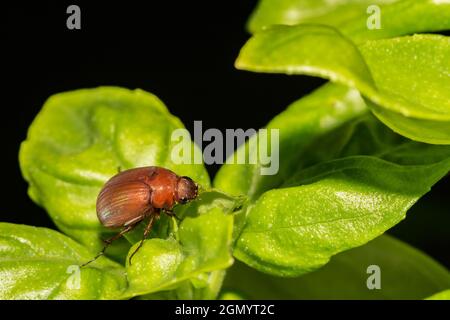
[163, 185]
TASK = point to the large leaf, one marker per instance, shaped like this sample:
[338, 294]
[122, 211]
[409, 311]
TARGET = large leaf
[187, 263]
[335, 206]
[344, 179]
[405, 79]
[405, 273]
[350, 16]
[81, 138]
[39, 263]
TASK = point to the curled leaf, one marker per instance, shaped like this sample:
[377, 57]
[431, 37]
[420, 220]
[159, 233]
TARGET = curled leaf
[405, 80]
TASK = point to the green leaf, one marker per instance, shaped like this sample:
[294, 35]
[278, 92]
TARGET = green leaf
[80, 139]
[404, 79]
[337, 205]
[350, 16]
[344, 179]
[186, 261]
[444, 295]
[405, 273]
[39, 263]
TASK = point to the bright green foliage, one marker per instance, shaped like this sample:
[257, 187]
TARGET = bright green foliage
[348, 172]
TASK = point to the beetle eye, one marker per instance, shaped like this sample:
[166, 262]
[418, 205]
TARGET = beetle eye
[183, 200]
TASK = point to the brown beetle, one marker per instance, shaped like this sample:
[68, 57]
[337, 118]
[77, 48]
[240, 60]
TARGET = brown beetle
[133, 195]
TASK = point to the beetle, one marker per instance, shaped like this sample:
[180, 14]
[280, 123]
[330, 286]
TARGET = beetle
[135, 194]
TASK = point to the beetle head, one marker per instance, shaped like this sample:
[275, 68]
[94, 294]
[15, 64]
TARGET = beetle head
[186, 190]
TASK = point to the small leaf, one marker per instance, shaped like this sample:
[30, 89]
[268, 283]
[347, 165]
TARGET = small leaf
[404, 79]
[405, 273]
[82, 138]
[202, 245]
[39, 263]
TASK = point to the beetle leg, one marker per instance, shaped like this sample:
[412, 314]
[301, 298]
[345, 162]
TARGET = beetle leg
[120, 234]
[146, 232]
[109, 241]
[171, 214]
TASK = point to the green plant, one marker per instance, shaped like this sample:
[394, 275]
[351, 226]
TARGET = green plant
[355, 155]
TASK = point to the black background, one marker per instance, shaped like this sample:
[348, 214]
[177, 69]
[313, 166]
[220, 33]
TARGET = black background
[182, 51]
